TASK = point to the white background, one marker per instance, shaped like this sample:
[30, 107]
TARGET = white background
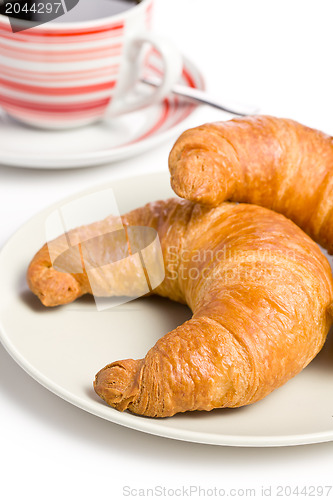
[276, 54]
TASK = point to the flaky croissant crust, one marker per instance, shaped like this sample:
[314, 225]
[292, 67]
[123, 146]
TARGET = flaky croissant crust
[260, 296]
[273, 162]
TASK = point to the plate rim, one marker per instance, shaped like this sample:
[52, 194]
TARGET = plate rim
[126, 419]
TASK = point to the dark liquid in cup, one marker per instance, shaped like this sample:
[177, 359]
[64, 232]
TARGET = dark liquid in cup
[39, 11]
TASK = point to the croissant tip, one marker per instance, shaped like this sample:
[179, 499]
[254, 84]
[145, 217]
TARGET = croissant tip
[52, 287]
[193, 177]
[116, 383]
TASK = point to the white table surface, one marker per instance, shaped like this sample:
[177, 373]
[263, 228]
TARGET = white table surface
[277, 55]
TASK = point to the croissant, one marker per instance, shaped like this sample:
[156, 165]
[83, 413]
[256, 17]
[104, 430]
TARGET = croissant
[259, 288]
[273, 162]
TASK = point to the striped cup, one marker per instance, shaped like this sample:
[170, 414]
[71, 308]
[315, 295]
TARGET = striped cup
[65, 75]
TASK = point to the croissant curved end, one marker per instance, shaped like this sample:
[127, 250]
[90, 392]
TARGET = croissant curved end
[118, 383]
[52, 287]
[194, 174]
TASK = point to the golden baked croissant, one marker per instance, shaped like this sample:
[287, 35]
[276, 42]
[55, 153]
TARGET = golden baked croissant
[273, 162]
[260, 291]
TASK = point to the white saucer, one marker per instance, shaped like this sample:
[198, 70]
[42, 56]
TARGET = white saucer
[63, 348]
[126, 136]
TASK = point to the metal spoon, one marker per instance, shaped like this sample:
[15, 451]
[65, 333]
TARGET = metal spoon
[203, 98]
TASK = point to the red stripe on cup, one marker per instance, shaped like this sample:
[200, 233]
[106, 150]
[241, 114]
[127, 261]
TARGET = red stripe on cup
[57, 91]
[61, 76]
[32, 38]
[44, 116]
[149, 16]
[61, 32]
[54, 108]
[61, 56]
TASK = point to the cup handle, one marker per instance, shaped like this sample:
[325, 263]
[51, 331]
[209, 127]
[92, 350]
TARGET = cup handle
[124, 100]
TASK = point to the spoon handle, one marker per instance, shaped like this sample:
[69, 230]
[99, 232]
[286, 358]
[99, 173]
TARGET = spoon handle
[202, 97]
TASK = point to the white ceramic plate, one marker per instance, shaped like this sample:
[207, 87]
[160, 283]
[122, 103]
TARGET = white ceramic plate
[103, 142]
[63, 348]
